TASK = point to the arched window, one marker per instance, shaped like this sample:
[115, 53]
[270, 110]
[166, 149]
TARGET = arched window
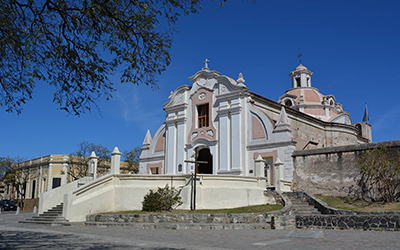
[288, 103]
[358, 126]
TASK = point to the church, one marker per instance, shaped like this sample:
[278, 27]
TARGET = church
[220, 121]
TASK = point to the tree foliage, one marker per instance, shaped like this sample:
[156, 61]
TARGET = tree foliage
[380, 179]
[75, 45]
[132, 159]
[162, 199]
[79, 160]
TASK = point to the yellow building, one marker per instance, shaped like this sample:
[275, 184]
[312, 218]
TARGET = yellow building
[48, 172]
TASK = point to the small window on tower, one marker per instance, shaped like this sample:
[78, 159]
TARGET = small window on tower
[203, 114]
[288, 103]
[298, 82]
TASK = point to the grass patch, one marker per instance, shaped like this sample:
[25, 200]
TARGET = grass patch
[238, 210]
[346, 203]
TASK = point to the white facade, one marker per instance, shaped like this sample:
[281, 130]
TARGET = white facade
[219, 120]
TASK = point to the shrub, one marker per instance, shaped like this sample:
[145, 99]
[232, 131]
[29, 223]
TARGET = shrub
[162, 199]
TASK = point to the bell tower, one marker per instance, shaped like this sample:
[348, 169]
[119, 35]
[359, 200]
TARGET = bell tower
[301, 77]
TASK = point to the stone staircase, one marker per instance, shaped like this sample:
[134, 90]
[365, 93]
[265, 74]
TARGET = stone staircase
[300, 206]
[52, 217]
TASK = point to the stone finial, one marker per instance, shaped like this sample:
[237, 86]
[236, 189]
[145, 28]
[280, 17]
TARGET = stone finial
[115, 151]
[278, 162]
[282, 124]
[115, 161]
[92, 168]
[260, 166]
[282, 119]
[147, 139]
[93, 155]
[259, 158]
[241, 80]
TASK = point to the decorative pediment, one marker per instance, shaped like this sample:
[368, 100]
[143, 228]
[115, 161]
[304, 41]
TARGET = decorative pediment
[227, 84]
[177, 97]
[204, 76]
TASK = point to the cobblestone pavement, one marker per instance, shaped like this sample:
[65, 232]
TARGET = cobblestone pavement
[14, 235]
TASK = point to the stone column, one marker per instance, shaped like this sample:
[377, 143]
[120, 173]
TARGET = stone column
[92, 168]
[115, 161]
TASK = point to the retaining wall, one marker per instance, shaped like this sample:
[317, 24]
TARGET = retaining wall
[332, 171]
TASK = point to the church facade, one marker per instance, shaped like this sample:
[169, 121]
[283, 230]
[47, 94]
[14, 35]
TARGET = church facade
[220, 121]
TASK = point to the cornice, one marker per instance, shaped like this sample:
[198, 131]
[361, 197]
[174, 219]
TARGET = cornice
[265, 145]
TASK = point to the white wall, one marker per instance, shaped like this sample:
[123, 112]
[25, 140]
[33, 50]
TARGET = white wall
[119, 192]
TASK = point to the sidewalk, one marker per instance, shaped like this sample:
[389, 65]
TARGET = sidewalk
[16, 235]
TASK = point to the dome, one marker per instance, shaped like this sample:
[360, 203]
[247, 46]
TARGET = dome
[310, 95]
[301, 67]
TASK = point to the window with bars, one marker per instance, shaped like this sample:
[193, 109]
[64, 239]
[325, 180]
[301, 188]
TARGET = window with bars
[203, 114]
[56, 182]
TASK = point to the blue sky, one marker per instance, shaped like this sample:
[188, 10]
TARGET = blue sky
[351, 46]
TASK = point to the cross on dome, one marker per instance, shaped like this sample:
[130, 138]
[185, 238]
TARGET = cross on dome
[206, 63]
[299, 56]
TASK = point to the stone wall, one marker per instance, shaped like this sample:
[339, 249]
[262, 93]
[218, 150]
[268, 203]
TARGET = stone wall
[389, 222]
[331, 171]
[183, 218]
[333, 218]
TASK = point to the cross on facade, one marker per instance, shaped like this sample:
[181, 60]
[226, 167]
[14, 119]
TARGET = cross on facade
[206, 63]
[194, 180]
[299, 56]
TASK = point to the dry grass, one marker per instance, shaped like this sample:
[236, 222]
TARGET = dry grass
[249, 209]
[358, 205]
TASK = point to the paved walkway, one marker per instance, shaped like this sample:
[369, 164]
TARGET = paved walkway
[14, 235]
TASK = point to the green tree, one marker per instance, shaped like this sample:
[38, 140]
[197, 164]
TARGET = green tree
[79, 160]
[132, 159]
[75, 45]
[380, 174]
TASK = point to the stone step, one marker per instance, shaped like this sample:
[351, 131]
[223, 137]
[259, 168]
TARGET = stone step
[304, 207]
[308, 211]
[305, 212]
[181, 226]
[55, 211]
[50, 214]
[42, 218]
[301, 207]
[300, 204]
[52, 217]
[49, 223]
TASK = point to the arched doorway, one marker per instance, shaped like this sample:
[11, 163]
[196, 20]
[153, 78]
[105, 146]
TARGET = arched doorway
[205, 155]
